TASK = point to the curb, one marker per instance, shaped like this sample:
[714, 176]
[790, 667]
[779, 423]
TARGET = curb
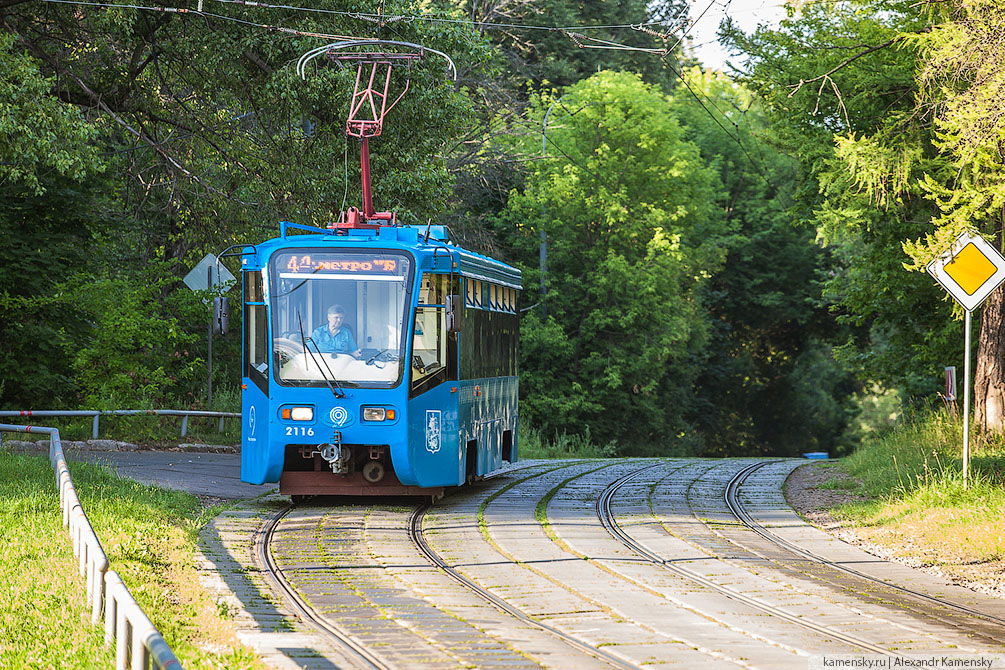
[42, 447]
[228, 571]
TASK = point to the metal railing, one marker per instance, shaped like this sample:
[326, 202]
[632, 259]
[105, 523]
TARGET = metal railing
[137, 640]
[98, 413]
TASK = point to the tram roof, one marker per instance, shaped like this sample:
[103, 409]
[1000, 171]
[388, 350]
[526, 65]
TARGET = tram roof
[410, 238]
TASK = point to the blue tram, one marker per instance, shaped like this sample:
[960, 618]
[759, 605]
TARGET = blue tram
[377, 360]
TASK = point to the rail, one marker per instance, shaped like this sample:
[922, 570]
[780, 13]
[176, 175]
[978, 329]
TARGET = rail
[98, 413]
[137, 640]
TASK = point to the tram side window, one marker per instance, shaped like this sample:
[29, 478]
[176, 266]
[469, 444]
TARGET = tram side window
[429, 348]
[256, 331]
[434, 351]
[488, 344]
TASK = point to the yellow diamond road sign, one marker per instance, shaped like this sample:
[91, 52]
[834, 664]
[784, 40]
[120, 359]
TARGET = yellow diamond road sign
[970, 270]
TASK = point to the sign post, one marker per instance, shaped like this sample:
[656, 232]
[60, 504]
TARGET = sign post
[950, 393]
[969, 270]
[203, 276]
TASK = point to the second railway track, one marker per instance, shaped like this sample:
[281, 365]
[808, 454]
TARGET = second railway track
[609, 522]
[732, 499]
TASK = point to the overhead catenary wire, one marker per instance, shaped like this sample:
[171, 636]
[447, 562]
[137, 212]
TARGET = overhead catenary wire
[379, 18]
[735, 138]
[181, 11]
[383, 19]
[393, 18]
[438, 19]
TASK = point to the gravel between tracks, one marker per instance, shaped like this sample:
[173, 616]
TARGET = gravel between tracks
[814, 504]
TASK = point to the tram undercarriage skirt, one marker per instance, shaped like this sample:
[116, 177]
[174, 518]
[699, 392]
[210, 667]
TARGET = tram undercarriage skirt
[325, 483]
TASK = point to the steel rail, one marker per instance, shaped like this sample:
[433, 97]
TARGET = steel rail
[263, 550]
[731, 496]
[610, 523]
[416, 534]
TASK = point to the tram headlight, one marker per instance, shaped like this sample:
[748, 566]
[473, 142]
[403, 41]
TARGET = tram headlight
[298, 413]
[378, 414]
[374, 414]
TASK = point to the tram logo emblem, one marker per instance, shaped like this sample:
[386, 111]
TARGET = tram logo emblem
[338, 416]
[251, 420]
[433, 430]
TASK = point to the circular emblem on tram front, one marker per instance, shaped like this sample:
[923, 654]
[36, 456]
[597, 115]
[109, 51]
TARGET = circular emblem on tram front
[251, 420]
[338, 416]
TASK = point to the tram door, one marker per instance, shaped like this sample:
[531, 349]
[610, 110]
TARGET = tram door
[258, 465]
[433, 417]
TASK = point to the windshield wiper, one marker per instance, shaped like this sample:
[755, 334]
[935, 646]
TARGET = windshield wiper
[330, 377]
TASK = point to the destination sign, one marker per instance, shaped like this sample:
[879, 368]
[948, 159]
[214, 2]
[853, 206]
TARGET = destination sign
[325, 263]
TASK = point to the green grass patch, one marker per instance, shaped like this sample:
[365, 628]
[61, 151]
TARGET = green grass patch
[912, 477]
[533, 444]
[149, 535]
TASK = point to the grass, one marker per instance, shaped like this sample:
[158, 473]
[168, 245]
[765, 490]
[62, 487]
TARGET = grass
[912, 482]
[533, 444]
[149, 535]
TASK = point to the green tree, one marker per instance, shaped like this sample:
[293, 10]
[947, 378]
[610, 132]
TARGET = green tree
[140, 353]
[47, 224]
[627, 206]
[838, 82]
[770, 329]
[208, 136]
[557, 43]
[963, 82]
[210, 131]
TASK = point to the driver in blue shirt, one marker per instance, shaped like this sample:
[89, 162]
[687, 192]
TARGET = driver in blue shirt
[333, 337]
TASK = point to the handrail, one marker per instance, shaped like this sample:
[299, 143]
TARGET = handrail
[137, 639]
[97, 413]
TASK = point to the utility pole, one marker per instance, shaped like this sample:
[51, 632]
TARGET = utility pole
[544, 216]
[209, 342]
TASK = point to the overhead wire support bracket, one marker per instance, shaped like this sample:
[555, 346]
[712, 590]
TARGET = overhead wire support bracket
[369, 105]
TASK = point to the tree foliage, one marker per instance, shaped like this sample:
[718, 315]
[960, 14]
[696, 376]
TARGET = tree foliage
[683, 308]
[768, 382]
[163, 136]
[838, 81]
[963, 81]
[627, 206]
[562, 42]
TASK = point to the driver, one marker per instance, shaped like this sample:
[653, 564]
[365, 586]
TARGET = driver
[333, 337]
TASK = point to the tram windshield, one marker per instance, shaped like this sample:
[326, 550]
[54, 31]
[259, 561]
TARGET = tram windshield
[337, 317]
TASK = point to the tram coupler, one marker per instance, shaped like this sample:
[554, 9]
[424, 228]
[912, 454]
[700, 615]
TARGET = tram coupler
[335, 453]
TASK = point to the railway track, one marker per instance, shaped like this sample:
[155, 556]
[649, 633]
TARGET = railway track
[416, 535]
[922, 602]
[350, 648]
[356, 651]
[630, 581]
[666, 620]
[610, 523]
